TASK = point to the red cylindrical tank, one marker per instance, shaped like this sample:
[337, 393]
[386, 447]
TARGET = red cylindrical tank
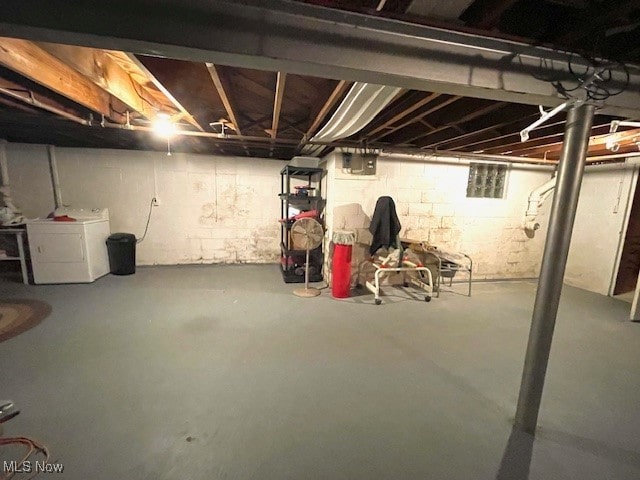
[341, 271]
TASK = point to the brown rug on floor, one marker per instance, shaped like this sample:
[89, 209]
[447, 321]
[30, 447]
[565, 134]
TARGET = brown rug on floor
[19, 315]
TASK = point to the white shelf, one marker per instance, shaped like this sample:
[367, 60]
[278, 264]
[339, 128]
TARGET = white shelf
[19, 234]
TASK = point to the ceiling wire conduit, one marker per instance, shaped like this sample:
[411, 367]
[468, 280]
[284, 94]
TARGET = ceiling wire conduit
[31, 100]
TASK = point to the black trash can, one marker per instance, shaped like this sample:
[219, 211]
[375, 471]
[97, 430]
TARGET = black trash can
[122, 253]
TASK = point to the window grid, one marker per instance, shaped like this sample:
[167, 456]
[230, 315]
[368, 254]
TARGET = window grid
[486, 180]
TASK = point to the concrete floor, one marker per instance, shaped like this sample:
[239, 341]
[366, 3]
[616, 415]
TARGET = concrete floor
[211, 372]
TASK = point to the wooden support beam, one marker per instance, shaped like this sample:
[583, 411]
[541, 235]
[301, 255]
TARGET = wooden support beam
[552, 145]
[499, 141]
[404, 113]
[417, 118]
[103, 70]
[183, 111]
[517, 144]
[223, 92]
[456, 123]
[458, 140]
[277, 103]
[31, 61]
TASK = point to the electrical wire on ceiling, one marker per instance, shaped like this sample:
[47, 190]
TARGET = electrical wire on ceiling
[589, 80]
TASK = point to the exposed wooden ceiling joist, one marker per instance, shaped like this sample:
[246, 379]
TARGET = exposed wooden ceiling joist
[223, 89]
[513, 136]
[183, 111]
[466, 118]
[31, 61]
[552, 143]
[103, 70]
[277, 103]
[396, 118]
[458, 141]
[406, 55]
[417, 118]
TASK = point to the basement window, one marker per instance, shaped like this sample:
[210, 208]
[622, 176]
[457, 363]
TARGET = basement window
[486, 180]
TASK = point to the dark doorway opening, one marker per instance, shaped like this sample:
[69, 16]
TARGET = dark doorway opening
[630, 258]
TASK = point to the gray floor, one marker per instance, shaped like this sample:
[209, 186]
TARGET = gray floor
[266, 385]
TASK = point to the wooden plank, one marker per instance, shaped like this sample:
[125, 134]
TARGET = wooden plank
[552, 144]
[498, 141]
[99, 67]
[31, 61]
[458, 140]
[277, 103]
[183, 111]
[456, 123]
[222, 89]
[417, 118]
[404, 113]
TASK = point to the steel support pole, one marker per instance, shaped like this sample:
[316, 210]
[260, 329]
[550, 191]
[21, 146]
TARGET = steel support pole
[554, 261]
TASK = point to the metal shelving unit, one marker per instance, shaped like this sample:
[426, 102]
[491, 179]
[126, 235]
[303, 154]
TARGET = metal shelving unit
[292, 261]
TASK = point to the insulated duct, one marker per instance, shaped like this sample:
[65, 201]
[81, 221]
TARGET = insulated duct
[360, 106]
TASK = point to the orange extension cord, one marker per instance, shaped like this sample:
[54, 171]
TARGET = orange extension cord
[33, 447]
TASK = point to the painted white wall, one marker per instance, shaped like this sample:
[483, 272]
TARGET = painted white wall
[212, 209]
[30, 179]
[225, 209]
[605, 201]
[430, 197]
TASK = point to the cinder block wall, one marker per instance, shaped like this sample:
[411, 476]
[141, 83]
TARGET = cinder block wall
[212, 209]
[225, 209]
[431, 202]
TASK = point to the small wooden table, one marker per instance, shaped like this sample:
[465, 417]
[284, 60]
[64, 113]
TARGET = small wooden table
[19, 233]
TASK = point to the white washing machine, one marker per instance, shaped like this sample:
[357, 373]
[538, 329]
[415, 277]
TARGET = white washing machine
[70, 252]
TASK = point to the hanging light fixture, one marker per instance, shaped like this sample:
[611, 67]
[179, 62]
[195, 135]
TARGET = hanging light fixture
[163, 126]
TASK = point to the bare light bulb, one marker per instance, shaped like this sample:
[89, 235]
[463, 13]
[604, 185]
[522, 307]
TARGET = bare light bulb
[163, 126]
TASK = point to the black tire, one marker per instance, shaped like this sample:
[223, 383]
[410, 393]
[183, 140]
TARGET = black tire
[358, 286]
[378, 301]
[427, 298]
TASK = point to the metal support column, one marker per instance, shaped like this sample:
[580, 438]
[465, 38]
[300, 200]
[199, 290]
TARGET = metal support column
[554, 261]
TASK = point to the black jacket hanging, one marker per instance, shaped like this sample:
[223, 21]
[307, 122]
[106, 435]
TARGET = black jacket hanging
[385, 225]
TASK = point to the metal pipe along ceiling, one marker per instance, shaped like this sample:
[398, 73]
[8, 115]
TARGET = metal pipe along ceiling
[361, 105]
